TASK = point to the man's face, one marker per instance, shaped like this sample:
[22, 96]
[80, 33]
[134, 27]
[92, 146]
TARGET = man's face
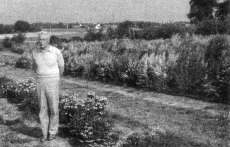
[42, 42]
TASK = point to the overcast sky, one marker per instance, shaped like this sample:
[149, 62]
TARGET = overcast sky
[93, 10]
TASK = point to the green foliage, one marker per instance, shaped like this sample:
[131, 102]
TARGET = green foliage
[176, 65]
[21, 26]
[24, 62]
[211, 26]
[187, 74]
[14, 43]
[217, 59]
[19, 38]
[223, 10]
[85, 117]
[93, 36]
[164, 31]
[5, 29]
[123, 29]
[17, 91]
[7, 42]
[201, 10]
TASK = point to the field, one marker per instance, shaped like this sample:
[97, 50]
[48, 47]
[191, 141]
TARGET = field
[176, 121]
[57, 32]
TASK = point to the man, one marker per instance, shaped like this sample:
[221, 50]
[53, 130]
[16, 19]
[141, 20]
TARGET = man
[48, 64]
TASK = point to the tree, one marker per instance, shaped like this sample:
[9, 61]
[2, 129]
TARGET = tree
[201, 10]
[123, 29]
[21, 26]
[223, 10]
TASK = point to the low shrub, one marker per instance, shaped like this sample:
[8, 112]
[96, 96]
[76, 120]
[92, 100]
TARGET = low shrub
[217, 58]
[18, 50]
[94, 36]
[211, 26]
[7, 42]
[8, 60]
[20, 91]
[14, 43]
[19, 38]
[85, 118]
[24, 62]
[3, 81]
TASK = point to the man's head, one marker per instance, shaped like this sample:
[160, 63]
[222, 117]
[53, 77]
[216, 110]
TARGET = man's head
[43, 40]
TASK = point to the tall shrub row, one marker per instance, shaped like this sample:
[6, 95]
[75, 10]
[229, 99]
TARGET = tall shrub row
[178, 65]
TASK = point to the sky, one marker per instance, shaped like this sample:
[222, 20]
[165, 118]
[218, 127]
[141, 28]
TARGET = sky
[93, 11]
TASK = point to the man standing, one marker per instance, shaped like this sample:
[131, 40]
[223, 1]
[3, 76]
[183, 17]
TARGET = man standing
[48, 64]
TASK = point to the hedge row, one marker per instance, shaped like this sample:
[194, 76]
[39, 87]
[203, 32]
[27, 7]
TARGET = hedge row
[192, 65]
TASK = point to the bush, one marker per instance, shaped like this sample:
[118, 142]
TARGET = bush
[54, 40]
[168, 30]
[85, 117]
[3, 81]
[94, 36]
[14, 43]
[208, 27]
[123, 29]
[8, 60]
[20, 91]
[19, 38]
[21, 26]
[187, 74]
[217, 59]
[175, 65]
[7, 42]
[76, 38]
[24, 62]
[18, 50]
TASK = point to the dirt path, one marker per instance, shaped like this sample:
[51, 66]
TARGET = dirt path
[200, 123]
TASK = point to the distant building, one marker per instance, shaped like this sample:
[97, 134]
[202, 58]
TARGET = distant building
[98, 27]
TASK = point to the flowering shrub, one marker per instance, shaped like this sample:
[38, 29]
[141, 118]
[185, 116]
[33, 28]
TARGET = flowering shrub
[23, 62]
[217, 71]
[85, 117]
[177, 65]
[7, 60]
[18, 91]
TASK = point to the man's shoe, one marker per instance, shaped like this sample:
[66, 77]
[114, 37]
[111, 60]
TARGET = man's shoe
[51, 137]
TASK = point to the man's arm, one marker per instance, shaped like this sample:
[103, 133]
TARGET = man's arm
[34, 65]
[60, 62]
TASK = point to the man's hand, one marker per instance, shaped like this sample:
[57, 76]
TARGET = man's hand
[61, 70]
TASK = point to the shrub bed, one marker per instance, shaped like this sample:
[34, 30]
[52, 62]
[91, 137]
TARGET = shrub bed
[177, 65]
[24, 62]
[85, 118]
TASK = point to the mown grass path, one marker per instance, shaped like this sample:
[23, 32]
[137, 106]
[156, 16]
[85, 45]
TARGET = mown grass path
[18, 131]
[195, 122]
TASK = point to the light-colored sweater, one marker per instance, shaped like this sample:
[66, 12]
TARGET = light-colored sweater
[47, 62]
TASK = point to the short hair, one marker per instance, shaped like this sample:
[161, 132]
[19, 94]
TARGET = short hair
[44, 35]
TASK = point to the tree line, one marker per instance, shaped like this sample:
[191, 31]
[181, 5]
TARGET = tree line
[19, 26]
